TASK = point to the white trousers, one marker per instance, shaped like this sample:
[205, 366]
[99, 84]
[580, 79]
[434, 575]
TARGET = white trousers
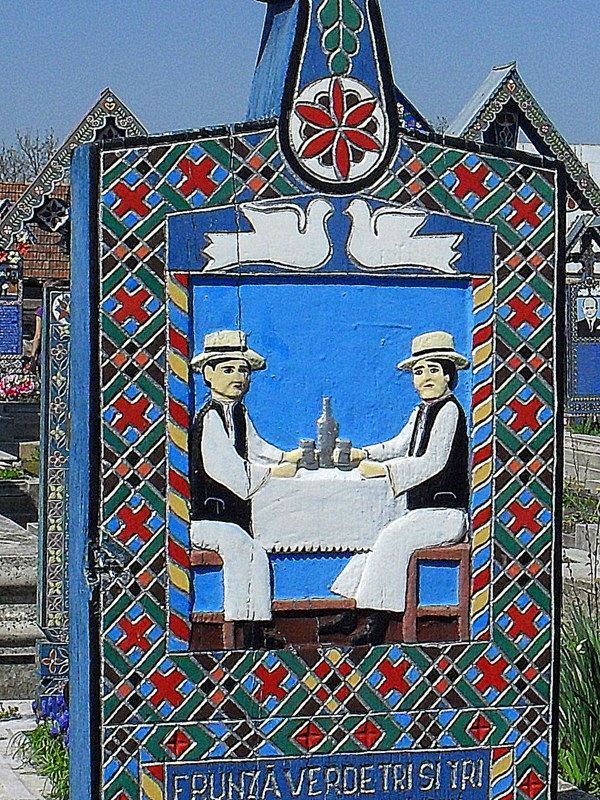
[377, 579]
[246, 573]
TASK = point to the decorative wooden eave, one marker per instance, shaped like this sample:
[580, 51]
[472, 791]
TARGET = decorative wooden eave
[56, 171]
[504, 87]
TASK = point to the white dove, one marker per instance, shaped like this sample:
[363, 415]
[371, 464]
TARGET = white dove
[388, 237]
[283, 234]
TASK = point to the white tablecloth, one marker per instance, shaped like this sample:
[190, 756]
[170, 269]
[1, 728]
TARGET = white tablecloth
[323, 510]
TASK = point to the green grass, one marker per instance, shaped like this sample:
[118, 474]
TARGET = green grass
[579, 698]
[10, 473]
[579, 749]
[579, 505]
[589, 426]
[49, 757]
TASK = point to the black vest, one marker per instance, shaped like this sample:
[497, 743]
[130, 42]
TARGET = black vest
[450, 487]
[212, 500]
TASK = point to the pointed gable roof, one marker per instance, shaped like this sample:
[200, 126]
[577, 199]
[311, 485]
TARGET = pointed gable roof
[109, 118]
[504, 89]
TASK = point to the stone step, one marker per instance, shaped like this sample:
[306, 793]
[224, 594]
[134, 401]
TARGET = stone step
[18, 673]
[585, 537]
[582, 459]
[16, 501]
[18, 578]
[18, 625]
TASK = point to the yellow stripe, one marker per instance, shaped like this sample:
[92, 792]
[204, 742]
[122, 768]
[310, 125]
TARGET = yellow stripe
[178, 437]
[502, 766]
[482, 354]
[483, 294]
[482, 536]
[482, 473]
[150, 789]
[480, 601]
[483, 411]
[179, 366]
[179, 507]
[178, 296]
[179, 578]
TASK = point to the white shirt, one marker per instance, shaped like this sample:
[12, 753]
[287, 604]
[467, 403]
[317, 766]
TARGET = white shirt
[406, 471]
[224, 464]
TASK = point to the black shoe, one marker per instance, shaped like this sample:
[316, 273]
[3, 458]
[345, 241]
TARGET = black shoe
[374, 630]
[272, 642]
[341, 623]
[253, 636]
[257, 638]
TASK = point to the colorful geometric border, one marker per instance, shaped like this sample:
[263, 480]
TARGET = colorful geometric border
[53, 601]
[144, 686]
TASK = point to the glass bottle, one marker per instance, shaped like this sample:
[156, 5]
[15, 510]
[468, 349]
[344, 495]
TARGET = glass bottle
[327, 433]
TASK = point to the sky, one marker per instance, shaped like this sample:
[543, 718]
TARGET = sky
[184, 64]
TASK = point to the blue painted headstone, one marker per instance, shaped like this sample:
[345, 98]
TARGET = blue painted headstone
[313, 440]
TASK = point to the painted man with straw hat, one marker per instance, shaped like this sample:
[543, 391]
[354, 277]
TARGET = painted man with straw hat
[428, 463]
[229, 463]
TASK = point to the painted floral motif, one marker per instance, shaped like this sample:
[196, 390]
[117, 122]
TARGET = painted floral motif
[339, 127]
[341, 22]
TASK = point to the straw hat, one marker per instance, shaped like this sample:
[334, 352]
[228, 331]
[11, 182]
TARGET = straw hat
[227, 345]
[437, 344]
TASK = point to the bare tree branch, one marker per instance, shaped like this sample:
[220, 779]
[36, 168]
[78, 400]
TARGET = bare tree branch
[21, 161]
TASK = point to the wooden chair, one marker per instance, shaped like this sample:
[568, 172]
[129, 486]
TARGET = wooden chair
[425, 615]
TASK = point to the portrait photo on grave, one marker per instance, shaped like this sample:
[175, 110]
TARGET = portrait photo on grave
[587, 325]
[329, 461]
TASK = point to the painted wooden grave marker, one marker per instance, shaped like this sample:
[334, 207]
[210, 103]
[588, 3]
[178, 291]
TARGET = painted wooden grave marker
[315, 436]
[53, 599]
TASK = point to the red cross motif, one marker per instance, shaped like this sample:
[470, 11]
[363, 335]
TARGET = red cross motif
[525, 212]
[394, 677]
[491, 674]
[309, 736]
[134, 523]
[471, 182]
[524, 516]
[178, 743]
[131, 306]
[131, 200]
[135, 634]
[198, 176]
[524, 311]
[479, 728]
[271, 681]
[531, 785]
[367, 734]
[525, 414]
[166, 688]
[131, 414]
[523, 622]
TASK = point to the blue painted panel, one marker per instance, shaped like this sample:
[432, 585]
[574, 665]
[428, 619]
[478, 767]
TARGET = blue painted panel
[438, 583]
[323, 339]
[587, 379]
[81, 652]
[295, 576]
[11, 339]
[187, 238]
[431, 775]
[208, 589]
[306, 575]
[268, 83]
